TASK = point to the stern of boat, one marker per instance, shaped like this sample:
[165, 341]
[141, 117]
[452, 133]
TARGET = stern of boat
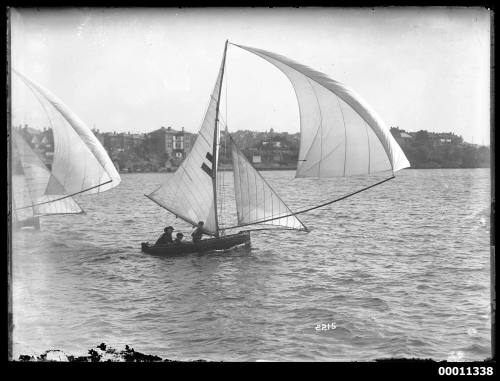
[246, 237]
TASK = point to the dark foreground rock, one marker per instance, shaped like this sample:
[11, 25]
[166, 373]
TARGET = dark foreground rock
[101, 353]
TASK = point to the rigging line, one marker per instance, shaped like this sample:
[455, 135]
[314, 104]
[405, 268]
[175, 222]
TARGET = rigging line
[245, 160]
[79, 206]
[220, 189]
[248, 190]
[171, 211]
[256, 194]
[318, 206]
[224, 121]
[189, 221]
[320, 126]
[224, 172]
[85, 174]
[236, 174]
[59, 213]
[70, 195]
[264, 197]
[225, 82]
[274, 227]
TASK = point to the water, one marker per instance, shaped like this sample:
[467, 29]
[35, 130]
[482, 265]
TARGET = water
[401, 270]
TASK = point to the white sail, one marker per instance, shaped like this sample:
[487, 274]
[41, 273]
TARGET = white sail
[35, 190]
[190, 193]
[340, 134]
[80, 163]
[256, 201]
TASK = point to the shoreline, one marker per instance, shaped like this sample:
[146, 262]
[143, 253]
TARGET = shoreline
[295, 168]
[105, 353]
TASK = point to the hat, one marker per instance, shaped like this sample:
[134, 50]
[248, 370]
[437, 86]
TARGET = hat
[167, 228]
[180, 235]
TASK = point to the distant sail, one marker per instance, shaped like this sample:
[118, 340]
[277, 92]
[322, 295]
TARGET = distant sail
[81, 164]
[256, 201]
[33, 189]
[189, 194]
[340, 134]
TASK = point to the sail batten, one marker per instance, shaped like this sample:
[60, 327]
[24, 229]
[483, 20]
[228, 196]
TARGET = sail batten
[331, 113]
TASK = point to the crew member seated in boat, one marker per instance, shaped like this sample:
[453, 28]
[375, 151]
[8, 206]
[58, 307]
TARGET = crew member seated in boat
[166, 237]
[198, 232]
[178, 238]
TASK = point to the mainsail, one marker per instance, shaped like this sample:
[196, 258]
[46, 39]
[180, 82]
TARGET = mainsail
[80, 164]
[191, 193]
[256, 201]
[31, 180]
[340, 134]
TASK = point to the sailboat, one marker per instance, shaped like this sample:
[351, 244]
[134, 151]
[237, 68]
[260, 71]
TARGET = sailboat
[341, 136]
[80, 165]
[30, 177]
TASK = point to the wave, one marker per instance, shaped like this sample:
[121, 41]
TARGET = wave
[375, 304]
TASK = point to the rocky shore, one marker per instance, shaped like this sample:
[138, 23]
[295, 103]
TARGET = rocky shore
[101, 353]
[104, 353]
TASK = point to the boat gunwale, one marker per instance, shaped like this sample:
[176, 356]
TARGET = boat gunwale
[243, 236]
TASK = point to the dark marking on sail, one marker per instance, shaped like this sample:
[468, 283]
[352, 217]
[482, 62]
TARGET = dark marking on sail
[207, 169]
[210, 157]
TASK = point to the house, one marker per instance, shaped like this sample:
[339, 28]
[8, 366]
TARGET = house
[176, 144]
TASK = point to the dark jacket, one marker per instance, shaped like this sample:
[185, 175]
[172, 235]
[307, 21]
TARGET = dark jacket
[164, 239]
[197, 234]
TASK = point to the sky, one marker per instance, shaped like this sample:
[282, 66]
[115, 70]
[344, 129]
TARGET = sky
[139, 69]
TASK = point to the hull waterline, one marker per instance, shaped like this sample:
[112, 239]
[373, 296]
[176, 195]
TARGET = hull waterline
[205, 245]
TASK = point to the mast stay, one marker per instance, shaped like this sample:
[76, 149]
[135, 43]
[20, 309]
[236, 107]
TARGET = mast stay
[215, 152]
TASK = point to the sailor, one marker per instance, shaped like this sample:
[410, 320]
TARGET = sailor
[179, 238]
[166, 237]
[198, 232]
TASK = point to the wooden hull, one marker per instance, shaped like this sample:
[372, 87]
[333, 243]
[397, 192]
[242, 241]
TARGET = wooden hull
[220, 243]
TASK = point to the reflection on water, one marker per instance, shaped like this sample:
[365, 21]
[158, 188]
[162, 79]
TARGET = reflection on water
[402, 270]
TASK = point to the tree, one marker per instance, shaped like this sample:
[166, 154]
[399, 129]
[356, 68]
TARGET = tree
[422, 137]
[469, 157]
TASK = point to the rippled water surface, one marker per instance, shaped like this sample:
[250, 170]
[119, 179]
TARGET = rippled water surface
[399, 270]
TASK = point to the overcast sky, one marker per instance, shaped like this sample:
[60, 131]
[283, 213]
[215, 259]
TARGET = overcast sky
[139, 69]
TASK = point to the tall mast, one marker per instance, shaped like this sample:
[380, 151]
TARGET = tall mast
[215, 147]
